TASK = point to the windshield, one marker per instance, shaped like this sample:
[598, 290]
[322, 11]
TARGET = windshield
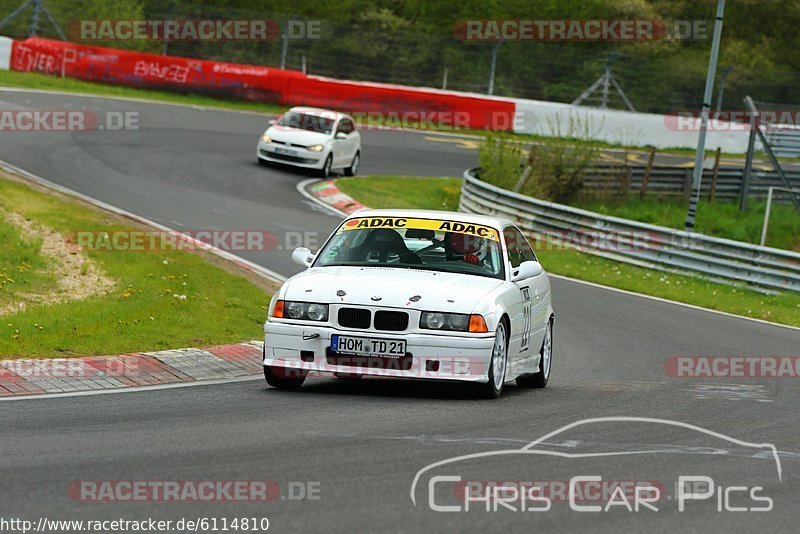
[306, 121]
[435, 245]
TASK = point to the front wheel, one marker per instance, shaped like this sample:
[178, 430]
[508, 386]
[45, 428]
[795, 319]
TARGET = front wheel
[283, 378]
[497, 365]
[540, 378]
[326, 168]
[353, 168]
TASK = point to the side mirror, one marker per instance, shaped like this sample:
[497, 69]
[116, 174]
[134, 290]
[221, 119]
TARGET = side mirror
[340, 135]
[527, 269]
[272, 122]
[302, 256]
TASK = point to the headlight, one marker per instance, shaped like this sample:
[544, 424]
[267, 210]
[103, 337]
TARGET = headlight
[301, 310]
[444, 321]
[295, 310]
[316, 148]
[266, 138]
[317, 312]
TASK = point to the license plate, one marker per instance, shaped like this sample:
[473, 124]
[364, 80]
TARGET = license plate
[363, 346]
[285, 151]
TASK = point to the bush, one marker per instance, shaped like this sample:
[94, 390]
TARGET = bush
[500, 159]
[556, 165]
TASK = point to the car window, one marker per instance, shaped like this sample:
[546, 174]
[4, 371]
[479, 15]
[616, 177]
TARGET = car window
[346, 126]
[428, 244]
[519, 249]
[306, 121]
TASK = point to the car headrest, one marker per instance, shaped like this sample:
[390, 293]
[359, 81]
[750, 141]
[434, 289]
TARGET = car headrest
[463, 243]
[384, 235]
[418, 233]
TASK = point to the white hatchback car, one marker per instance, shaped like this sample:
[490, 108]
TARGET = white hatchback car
[415, 294]
[312, 138]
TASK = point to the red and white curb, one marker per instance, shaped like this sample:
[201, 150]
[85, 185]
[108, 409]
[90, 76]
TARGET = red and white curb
[328, 194]
[30, 377]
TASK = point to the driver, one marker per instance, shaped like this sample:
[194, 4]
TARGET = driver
[470, 249]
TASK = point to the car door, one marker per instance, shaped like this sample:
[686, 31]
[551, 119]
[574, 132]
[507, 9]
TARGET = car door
[527, 325]
[356, 137]
[344, 149]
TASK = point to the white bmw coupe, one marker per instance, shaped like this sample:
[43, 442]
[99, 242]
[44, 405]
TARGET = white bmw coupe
[415, 294]
[312, 138]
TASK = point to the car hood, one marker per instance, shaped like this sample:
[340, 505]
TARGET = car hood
[297, 136]
[397, 288]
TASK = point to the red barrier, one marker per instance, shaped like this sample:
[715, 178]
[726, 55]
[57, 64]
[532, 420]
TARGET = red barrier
[443, 108]
[122, 67]
[261, 84]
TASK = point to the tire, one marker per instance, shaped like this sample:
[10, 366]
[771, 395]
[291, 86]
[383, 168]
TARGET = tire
[277, 377]
[497, 366]
[325, 172]
[540, 378]
[353, 168]
[263, 163]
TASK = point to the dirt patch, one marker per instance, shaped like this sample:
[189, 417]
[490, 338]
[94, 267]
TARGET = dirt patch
[77, 277]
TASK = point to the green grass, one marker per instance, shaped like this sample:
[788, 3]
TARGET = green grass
[438, 193]
[721, 219]
[141, 312]
[403, 192]
[22, 269]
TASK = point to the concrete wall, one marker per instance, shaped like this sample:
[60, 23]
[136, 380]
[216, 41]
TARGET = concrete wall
[5, 53]
[624, 127]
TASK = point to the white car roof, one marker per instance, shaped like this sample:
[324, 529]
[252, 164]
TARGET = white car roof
[329, 113]
[457, 216]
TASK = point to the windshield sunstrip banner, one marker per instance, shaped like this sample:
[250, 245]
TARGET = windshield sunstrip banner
[439, 225]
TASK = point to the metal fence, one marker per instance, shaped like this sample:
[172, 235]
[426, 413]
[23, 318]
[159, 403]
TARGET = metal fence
[374, 44]
[678, 181]
[766, 269]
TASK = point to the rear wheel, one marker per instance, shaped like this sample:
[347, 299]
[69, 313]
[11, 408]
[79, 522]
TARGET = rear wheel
[540, 378]
[353, 168]
[497, 365]
[283, 378]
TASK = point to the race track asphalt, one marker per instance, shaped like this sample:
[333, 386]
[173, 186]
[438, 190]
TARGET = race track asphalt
[363, 442]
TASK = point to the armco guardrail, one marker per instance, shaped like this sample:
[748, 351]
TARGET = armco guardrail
[678, 180]
[785, 142]
[638, 243]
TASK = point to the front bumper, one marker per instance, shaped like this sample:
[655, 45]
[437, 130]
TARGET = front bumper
[304, 158]
[428, 356]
